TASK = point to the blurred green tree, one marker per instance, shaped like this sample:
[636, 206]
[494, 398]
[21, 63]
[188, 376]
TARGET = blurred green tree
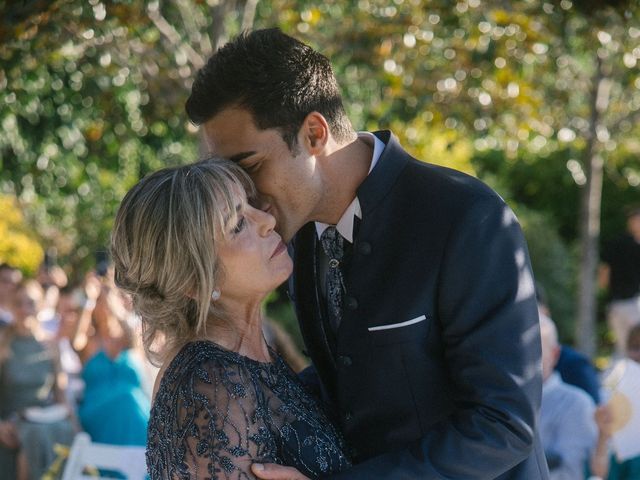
[19, 245]
[92, 94]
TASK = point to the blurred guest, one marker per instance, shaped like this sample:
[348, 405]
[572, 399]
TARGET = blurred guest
[567, 424]
[574, 367]
[52, 278]
[113, 373]
[9, 279]
[620, 273]
[33, 413]
[69, 312]
[603, 463]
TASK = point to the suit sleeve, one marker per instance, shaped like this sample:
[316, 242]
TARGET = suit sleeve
[490, 332]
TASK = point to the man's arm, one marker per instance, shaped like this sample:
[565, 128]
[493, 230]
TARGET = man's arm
[488, 315]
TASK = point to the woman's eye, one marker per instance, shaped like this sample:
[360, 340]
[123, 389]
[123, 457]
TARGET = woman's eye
[239, 226]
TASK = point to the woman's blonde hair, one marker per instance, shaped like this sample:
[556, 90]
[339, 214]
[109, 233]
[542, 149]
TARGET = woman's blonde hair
[164, 248]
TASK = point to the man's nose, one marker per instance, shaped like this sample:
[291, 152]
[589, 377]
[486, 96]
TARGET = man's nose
[260, 202]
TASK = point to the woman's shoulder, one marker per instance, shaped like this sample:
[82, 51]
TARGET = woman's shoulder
[201, 353]
[197, 363]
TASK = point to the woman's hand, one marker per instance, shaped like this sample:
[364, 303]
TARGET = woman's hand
[9, 435]
[272, 471]
[92, 286]
[604, 419]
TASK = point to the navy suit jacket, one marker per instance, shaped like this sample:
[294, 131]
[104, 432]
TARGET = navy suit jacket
[450, 387]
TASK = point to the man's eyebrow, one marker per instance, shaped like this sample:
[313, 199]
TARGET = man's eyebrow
[241, 156]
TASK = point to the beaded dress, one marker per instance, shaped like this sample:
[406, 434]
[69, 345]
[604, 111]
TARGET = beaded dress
[216, 412]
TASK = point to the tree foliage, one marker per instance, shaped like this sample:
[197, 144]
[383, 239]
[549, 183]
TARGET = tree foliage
[19, 245]
[92, 95]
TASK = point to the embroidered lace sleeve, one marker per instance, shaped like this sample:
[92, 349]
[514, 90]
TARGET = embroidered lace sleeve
[226, 439]
[211, 431]
[217, 412]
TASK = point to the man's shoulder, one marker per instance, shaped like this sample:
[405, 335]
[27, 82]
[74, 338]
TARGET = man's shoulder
[437, 188]
[439, 179]
[450, 178]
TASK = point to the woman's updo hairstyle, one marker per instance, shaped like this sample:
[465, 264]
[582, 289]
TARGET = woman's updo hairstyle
[164, 248]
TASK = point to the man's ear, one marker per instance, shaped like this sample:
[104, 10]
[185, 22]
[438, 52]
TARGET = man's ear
[314, 133]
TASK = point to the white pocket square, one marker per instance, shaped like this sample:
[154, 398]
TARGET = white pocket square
[421, 318]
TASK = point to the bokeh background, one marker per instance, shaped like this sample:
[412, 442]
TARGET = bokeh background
[540, 99]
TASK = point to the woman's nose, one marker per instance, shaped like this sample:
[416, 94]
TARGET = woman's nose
[266, 221]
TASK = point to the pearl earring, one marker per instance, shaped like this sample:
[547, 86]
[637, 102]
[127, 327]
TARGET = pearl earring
[215, 296]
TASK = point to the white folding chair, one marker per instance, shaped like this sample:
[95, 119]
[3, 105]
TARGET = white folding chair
[129, 461]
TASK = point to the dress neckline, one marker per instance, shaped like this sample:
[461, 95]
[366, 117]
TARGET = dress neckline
[237, 355]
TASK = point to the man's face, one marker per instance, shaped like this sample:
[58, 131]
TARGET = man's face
[288, 185]
[9, 279]
[24, 305]
[69, 312]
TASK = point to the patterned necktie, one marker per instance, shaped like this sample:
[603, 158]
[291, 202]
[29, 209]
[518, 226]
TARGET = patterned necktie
[332, 244]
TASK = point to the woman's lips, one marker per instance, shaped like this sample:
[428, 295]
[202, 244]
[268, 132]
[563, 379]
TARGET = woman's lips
[279, 249]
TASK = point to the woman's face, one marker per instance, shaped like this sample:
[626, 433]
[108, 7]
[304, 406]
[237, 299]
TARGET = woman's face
[24, 305]
[253, 257]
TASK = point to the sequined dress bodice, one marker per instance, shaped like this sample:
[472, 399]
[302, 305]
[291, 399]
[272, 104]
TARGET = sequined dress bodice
[216, 412]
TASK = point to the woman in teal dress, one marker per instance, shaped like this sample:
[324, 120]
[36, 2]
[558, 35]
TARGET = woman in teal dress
[33, 415]
[115, 407]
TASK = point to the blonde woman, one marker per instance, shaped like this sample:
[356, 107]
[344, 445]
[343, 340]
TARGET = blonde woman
[198, 259]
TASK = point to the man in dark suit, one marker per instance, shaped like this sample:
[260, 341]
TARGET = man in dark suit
[420, 316]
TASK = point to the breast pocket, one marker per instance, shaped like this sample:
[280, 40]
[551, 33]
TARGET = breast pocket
[412, 330]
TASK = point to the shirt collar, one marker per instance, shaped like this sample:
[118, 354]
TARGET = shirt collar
[345, 224]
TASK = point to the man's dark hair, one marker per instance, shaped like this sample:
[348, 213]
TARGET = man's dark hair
[277, 78]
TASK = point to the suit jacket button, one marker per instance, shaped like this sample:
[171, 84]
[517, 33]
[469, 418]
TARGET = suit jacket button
[351, 303]
[364, 248]
[346, 360]
[348, 416]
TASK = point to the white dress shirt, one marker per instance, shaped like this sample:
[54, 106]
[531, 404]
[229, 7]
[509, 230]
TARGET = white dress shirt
[345, 224]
